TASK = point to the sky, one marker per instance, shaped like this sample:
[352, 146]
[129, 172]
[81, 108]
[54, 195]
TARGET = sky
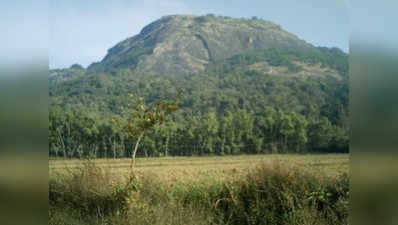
[82, 31]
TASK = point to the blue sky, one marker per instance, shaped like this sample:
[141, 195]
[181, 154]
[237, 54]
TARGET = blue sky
[82, 31]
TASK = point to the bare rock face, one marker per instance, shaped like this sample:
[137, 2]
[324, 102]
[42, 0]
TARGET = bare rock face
[185, 44]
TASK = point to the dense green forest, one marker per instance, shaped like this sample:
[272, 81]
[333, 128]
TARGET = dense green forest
[232, 107]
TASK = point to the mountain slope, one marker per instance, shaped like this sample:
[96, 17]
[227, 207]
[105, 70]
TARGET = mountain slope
[181, 45]
[249, 81]
[249, 86]
[239, 63]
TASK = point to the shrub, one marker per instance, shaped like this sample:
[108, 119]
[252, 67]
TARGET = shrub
[280, 194]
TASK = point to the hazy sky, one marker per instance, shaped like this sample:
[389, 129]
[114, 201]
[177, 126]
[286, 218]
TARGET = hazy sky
[82, 31]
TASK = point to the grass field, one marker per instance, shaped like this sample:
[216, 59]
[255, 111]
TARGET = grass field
[195, 167]
[244, 189]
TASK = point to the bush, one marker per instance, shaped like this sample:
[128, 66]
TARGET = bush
[280, 194]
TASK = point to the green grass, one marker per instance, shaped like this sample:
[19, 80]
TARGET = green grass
[261, 189]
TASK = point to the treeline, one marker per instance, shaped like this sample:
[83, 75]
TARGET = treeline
[74, 134]
[230, 108]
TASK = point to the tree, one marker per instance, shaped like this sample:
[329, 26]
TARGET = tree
[320, 135]
[299, 137]
[76, 66]
[142, 118]
[265, 127]
[285, 128]
[208, 129]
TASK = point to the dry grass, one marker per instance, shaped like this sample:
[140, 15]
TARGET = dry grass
[255, 189]
[186, 169]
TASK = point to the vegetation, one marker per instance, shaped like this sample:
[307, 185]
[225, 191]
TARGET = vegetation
[79, 135]
[228, 109]
[224, 111]
[282, 190]
[249, 88]
[59, 75]
[143, 118]
[269, 97]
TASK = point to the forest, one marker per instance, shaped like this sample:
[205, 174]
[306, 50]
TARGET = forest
[230, 108]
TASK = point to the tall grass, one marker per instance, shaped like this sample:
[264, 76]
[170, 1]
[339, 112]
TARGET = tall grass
[272, 193]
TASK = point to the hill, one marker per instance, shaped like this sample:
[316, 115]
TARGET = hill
[290, 95]
[176, 45]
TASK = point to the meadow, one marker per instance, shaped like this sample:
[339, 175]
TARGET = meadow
[243, 189]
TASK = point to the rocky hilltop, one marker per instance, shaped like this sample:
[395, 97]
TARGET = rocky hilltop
[185, 44]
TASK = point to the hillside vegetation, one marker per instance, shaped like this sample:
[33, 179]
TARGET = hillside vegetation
[250, 87]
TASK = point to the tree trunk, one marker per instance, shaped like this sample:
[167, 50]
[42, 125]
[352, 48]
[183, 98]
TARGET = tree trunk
[167, 145]
[62, 142]
[132, 165]
[113, 143]
[114, 147]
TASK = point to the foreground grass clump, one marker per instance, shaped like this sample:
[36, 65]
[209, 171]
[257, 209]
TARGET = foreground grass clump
[271, 193]
[280, 194]
[86, 192]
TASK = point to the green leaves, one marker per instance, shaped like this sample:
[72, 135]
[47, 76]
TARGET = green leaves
[143, 117]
